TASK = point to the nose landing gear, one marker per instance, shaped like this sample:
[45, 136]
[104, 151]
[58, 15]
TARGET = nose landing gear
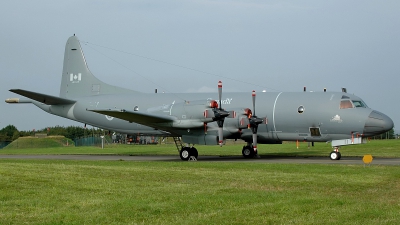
[335, 154]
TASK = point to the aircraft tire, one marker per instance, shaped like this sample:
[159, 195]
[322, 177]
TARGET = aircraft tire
[184, 153]
[335, 155]
[247, 152]
[339, 156]
[194, 152]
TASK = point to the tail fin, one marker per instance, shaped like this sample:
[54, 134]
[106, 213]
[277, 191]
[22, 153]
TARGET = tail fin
[77, 80]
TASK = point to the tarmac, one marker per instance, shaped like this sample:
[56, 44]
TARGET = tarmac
[263, 159]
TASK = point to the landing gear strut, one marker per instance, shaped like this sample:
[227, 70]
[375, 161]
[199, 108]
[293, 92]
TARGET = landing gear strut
[335, 154]
[186, 153]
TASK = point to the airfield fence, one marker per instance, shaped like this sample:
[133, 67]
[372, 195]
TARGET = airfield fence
[91, 141]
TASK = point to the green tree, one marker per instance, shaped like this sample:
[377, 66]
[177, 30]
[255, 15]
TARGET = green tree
[8, 132]
[15, 135]
[74, 132]
[3, 137]
[391, 134]
[388, 135]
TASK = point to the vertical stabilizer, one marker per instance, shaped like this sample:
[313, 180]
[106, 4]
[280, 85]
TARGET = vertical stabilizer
[77, 80]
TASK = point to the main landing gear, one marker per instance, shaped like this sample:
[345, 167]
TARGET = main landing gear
[248, 152]
[188, 153]
[335, 154]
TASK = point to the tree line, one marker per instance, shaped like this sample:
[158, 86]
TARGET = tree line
[11, 133]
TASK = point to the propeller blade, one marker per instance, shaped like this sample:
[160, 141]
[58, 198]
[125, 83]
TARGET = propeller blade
[232, 114]
[253, 95]
[254, 122]
[220, 136]
[220, 94]
[222, 113]
[255, 143]
[208, 113]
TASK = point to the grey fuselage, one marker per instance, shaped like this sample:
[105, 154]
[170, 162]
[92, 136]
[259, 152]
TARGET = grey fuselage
[321, 111]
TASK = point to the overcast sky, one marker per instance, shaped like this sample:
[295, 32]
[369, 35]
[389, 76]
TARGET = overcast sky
[187, 46]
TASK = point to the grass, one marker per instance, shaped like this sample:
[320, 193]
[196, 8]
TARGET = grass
[103, 192]
[119, 192]
[377, 148]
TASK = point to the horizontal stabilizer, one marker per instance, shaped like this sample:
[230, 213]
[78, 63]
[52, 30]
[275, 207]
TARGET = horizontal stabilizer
[46, 99]
[134, 116]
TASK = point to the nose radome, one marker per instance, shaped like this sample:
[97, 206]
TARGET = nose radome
[377, 123]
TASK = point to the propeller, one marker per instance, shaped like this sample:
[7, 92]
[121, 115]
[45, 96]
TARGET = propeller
[219, 114]
[254, 121]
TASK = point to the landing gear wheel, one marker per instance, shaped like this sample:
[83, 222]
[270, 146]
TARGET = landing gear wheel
[193, 152]
[247, 152]
[335, 155]
[184, 153]
[339, 155]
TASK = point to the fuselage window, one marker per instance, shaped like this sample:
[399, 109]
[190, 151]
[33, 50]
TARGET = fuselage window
[346, 104]
[300, 109]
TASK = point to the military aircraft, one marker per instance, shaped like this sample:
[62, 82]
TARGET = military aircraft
[201, 118]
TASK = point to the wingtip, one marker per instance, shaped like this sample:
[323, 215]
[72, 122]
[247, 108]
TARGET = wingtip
[17, 100]
[12, 100]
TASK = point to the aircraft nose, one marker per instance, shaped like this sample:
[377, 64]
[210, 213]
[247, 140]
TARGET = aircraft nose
[377, 123]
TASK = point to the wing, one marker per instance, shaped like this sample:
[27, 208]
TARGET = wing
[43, 98]
[137, 117]
[163, 122]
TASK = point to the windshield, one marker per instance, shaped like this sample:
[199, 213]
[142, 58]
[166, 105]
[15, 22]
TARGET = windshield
[359, 103]
[346, 104]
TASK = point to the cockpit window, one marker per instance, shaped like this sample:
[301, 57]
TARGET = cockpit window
[358, 103]
[346, 104]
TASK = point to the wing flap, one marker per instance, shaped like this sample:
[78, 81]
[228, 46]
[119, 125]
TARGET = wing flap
[43, 98]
